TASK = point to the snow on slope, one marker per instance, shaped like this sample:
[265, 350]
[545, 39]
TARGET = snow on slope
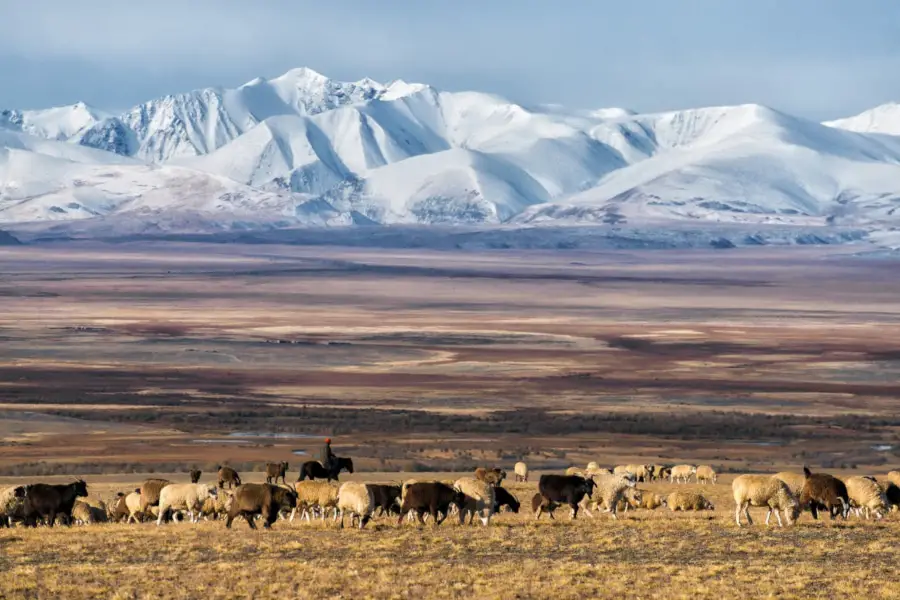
[881, 119]
[305, 149]
[43, 180]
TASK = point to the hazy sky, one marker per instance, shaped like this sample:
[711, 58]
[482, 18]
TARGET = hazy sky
[816, 58]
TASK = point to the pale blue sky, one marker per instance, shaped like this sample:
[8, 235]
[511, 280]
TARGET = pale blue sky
[815, 58]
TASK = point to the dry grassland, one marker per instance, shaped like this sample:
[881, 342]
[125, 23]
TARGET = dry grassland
[645, 554]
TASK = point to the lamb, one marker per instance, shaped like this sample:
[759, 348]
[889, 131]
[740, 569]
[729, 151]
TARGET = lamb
[823, 490]
[358, 500]
[479, 500]
[706, 474]
[794, 481]
[320, 495]
[764, 490]
[184, 496]
[521, 471]
[85, 514]
[651, 501]
[12, 504]
[681, 473]
[134, 502]
[688, 501]
[866, 495]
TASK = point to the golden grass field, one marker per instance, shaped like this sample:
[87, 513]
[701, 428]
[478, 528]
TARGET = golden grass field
[645, 554]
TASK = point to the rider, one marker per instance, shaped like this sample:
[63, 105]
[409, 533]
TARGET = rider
[326, 455]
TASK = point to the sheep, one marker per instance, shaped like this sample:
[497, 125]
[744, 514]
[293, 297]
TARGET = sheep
[134, 503]
[640, 472]
[593, 466]
[794, 481]
[660, 472]
[601, 471]
[706, 474]
[85, 514]
[764, 490]
[214, 507]
[539, 504]
[688, 501]
[521, 471]
[150, 491]
[184, 496]
[576, 471]
[631, 498]
[320, 495]
[682, 473]
[866, 495]
[610, 489]
[479, 500]
[650, 500]
[823, 490]
[358, 500]
[492, 476]
[892, 493]
[894, 477]
[12, 504]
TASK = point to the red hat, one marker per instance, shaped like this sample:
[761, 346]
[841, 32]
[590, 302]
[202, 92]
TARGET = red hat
[327, 440]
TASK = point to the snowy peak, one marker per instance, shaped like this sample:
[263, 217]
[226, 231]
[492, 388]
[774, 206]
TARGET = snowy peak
[881, 119]
[58, 123]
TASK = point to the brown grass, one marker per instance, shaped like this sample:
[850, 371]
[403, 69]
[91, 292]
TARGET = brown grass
[643, 555]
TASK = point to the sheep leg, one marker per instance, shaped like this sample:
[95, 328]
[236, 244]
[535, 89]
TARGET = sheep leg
[778, 518]
[249, 519]
[737, 515]
[162, 513]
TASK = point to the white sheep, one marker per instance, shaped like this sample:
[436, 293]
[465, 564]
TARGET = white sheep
[688, 501]
[764, 490]
[521, 471]
[866, 495]
[10, 505]
[315, 495]
[358, 500]
[682, 473]
[184, 496]
[610, 490]
[794, 481]
[593, 466]
[479, 500]
[706, 474]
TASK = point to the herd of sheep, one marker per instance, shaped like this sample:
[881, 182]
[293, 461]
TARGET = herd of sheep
[479, 496]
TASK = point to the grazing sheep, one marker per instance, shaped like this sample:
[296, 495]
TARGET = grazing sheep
[434, 497]
[764, 490]
[640, 472]
[660, 473]
[184, 496]
[521, 471]
[706, 474]
[681, 473]
[262, 499]
[892, 493]
[503, 497]
[12, 505]
[315, 495]
[195, 475]
[894, 477]
[492, 476]
[794, 481]
[229, 476]
[150, 490]
[631, 498]
[85, 514]
[866, 496]
[610, 491]
[688, 501]
[479, 500]
[358, 500]
[823, 490]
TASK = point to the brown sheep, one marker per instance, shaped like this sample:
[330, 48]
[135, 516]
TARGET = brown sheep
[229, 476]
[149, 491]
[688, 501]
[492, 476]
[276, 470]
[251, 499]
[823, 490]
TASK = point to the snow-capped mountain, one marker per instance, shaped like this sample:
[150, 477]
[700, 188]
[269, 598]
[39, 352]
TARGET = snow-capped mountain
[302, 149]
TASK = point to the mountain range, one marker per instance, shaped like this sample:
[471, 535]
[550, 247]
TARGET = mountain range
[302, 150]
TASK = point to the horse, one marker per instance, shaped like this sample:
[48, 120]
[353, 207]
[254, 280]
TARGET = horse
[313, 469]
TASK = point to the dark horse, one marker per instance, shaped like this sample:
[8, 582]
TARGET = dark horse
[313, 469]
